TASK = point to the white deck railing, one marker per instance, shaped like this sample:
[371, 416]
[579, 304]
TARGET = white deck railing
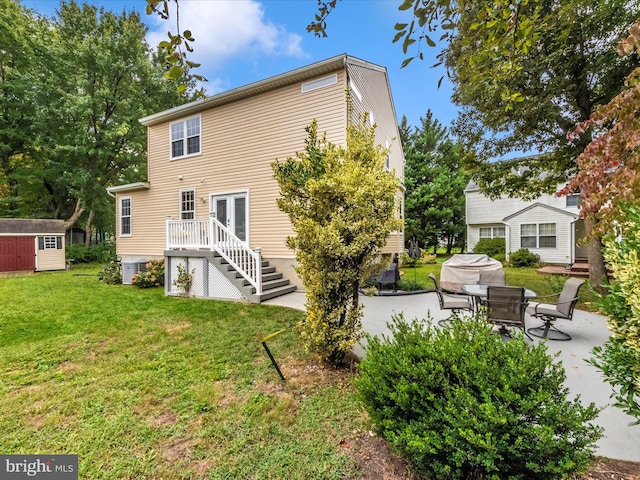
[210, 234]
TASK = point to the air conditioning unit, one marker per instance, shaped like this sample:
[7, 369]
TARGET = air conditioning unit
[129, 269]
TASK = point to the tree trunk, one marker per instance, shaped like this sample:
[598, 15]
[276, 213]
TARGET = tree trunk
[76, 215]
[87, 229]
[597, 271]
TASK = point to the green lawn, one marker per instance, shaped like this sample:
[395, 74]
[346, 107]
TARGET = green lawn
[140, 385]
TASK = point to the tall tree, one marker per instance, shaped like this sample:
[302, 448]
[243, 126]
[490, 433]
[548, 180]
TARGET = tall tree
[609, 182]
[342, 205]
[18, 29]
[99, 79]
[435, 183]
[569, 70]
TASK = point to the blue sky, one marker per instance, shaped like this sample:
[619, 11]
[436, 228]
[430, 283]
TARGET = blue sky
[243, 41]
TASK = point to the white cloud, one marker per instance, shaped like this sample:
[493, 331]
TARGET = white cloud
[225, 29]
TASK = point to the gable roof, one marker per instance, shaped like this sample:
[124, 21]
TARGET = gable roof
[294, 76]
[538, 204]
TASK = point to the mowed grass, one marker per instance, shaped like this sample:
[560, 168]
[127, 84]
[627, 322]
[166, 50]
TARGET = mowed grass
[140, 385]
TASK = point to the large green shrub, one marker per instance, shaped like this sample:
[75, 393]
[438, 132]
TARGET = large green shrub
[342, 205]
[619, 357]
[491, 246]
[523, 258]
[460, 403]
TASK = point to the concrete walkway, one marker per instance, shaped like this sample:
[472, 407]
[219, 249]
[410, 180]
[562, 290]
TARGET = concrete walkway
[587, 330]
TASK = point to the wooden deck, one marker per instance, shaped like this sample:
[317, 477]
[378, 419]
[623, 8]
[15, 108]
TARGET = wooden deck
[560, 270]
[578, 269]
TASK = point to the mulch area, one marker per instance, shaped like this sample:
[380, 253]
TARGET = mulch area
[376, 461]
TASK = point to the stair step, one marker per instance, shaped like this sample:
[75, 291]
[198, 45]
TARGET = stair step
[265, 271]
[273, 284]
[269, 277]
[277, 292]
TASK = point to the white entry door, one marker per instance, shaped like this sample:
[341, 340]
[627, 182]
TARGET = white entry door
[231, 210]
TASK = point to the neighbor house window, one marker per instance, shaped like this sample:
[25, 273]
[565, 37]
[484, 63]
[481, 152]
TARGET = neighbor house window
[185, 137]
[573, 200]
[187, 204]
[492, 232]
[538, 235]
[125, 216]
[49, 243]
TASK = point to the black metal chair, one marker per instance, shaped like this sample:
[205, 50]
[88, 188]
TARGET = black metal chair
[450, 301]
[549, 313]
[492, 277]
[505, 307]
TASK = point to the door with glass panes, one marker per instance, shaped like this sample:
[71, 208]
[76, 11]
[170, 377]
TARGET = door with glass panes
[231, 210]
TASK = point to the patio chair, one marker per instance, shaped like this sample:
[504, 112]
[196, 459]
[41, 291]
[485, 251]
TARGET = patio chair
[549, 313]
[450, 301]
[492, 277]
[506, 306]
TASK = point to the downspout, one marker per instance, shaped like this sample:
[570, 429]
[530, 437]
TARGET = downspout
[507, 240]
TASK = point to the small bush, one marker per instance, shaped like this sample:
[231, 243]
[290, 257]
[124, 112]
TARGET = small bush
[184, 281]
[491, 246]
[153, 277]
[425, 259]
[409, 285]
[460, 403]
[523, 258]
[111, 273]
[501, 257]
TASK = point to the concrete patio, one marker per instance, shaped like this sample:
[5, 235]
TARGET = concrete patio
[587, 330]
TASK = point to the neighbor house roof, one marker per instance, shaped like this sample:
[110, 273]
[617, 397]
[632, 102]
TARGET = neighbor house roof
[538, 204]
[294, 76]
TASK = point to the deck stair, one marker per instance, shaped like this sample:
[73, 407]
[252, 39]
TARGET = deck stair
[273, 283]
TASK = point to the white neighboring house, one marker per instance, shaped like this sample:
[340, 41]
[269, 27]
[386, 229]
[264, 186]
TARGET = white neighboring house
[548, 226]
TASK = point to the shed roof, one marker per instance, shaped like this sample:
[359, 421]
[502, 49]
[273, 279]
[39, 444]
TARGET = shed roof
[31, 225]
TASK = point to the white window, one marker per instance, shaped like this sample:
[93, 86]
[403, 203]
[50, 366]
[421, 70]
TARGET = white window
[125, 217]
[185, 137]
[492, 232]
[319, 83]
[49, 243]
[538, 235]
[187, 204]
[356, 93]
[573, 200]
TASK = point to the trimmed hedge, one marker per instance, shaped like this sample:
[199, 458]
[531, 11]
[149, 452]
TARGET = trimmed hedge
[461, 403]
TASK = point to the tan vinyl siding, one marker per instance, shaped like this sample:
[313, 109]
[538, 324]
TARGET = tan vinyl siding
[373, 87]
[240, 140]
[376, 97]
[50, 259]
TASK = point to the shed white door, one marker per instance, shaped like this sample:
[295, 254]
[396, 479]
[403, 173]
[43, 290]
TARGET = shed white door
[231, 210]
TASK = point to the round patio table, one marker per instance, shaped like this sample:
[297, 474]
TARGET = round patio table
[478, 292]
